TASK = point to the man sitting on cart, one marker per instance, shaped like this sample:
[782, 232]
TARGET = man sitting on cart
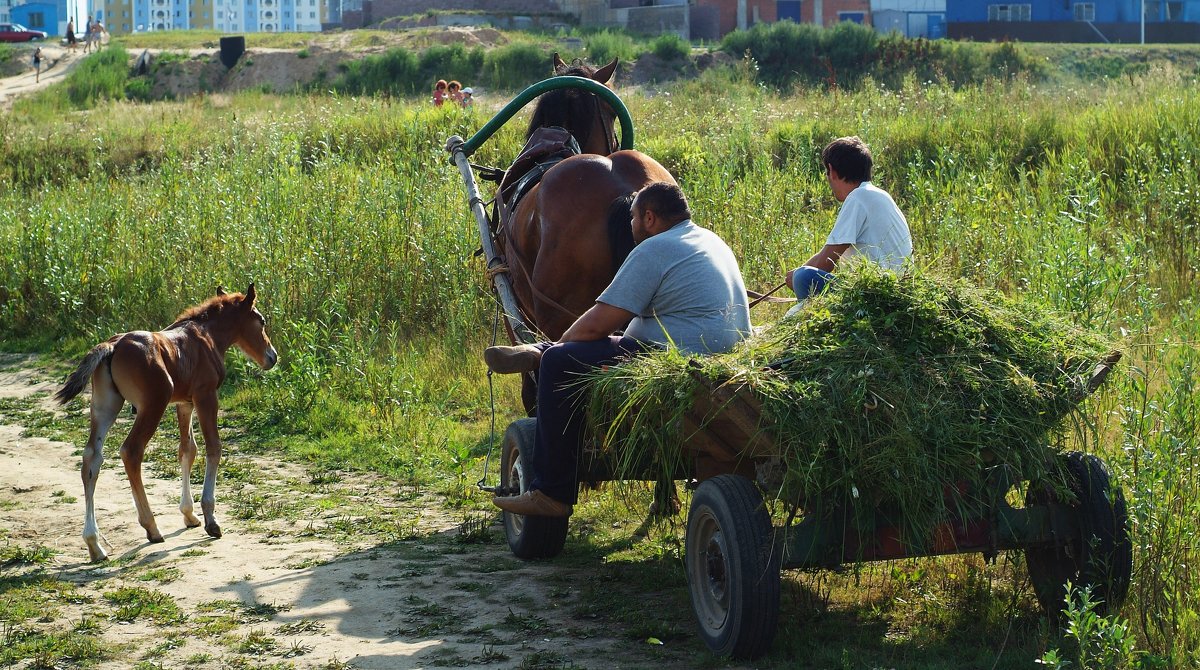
[680, 286]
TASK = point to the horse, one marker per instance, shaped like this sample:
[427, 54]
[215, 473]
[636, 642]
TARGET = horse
[183, 364]
[557, 238]
[566, 237]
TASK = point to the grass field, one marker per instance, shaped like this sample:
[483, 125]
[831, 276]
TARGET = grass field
[344, 211]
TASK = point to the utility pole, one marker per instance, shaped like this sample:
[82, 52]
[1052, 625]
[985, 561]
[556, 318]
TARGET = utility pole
[1143, 21]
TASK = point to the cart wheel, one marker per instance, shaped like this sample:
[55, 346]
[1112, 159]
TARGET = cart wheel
[1101, 557]
[732, 569]
[528, 536]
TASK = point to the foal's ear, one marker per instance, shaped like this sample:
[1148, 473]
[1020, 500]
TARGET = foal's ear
[221, 290]
[558, 62]
[604, 74]
[250, 294]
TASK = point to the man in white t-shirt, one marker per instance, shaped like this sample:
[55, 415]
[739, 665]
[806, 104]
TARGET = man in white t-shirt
[869, 222]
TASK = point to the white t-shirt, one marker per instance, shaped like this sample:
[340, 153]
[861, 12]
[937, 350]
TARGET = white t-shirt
[872, 224]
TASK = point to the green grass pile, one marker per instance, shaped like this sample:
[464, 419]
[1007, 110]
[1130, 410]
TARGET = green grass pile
[883, 392]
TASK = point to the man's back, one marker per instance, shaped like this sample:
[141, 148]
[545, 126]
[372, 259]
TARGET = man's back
[684, 286]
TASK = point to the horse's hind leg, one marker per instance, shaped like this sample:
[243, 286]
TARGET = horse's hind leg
[206, 407]
[187, 456]
[106, 405]
[132, 453]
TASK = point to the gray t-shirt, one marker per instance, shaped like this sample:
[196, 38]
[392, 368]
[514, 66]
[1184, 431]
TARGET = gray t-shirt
[685, 287]
[872, 224]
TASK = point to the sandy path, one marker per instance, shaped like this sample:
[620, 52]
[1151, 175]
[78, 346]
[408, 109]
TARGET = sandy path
[405, 604]
[56, 63]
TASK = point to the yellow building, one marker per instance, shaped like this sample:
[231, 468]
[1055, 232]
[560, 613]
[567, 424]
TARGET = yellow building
[127, 16]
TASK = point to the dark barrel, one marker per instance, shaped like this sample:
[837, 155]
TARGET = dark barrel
[232, 49]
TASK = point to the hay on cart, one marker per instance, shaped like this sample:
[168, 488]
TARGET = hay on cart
[885, 390]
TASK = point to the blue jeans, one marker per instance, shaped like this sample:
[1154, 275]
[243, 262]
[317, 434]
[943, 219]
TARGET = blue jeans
[560, 409]
[808, 281]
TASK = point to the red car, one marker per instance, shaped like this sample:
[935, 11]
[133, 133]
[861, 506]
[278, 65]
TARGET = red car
[15, 32]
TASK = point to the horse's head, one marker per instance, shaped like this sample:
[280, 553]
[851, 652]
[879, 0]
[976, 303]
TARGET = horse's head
[250, 328]
[588, 118]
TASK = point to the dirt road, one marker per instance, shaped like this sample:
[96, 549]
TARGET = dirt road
[419, 598]
[56, 63]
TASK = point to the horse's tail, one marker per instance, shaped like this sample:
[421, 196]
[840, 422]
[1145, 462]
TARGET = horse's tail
[620, 235]
[79, 379]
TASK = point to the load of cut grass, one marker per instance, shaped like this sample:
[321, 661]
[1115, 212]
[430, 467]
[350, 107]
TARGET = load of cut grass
[884, 392]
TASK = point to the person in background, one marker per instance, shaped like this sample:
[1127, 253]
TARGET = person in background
[71, 41]
[87, 36]
[454, 90]
[869, 222]
[468, 97]
[37, 65]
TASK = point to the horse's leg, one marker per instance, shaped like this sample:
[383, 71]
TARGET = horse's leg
[187, 456]
[206, 407]
[106, 405]
[132, 453]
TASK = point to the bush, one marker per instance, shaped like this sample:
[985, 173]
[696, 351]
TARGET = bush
[138, 88]
[515, 66]
[99, 77]
[451, 62]
[784, 51]
[395, 72]
[606, 45]
[671, 47]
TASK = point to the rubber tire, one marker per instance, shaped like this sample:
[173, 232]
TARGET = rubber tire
[529, 537]
[1101, 557]
[732, 567]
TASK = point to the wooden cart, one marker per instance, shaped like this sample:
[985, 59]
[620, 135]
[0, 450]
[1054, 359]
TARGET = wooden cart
[733, 552]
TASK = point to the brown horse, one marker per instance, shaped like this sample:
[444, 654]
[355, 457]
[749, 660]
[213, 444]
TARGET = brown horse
[184, 364]
[558, 236]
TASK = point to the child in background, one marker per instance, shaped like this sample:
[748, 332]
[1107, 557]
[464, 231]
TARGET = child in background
[454, 90]
[439, 92]
[467, 99]
[37, 65]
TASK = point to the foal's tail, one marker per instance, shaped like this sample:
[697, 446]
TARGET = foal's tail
[79, 379]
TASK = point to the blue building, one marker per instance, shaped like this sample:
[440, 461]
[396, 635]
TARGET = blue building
[37, 16]
[1074, 20]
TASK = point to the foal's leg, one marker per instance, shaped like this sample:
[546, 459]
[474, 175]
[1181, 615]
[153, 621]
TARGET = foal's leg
[187, 456]
[206, 408]
[132, 453]
[106, 404]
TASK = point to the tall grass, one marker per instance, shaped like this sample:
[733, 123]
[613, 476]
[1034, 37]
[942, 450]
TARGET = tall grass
[345, 212]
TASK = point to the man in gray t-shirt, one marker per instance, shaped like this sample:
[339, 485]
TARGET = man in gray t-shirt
[680, 285]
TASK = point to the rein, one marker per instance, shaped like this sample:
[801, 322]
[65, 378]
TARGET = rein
[766, 297]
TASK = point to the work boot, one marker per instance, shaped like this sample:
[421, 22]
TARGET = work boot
[532, 503]
[507, 360]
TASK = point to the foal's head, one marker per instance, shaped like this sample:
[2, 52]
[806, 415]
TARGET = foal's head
[582, 113]
[236, 314]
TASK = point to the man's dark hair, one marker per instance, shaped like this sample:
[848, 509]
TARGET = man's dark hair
[666, 200]
[850, 158]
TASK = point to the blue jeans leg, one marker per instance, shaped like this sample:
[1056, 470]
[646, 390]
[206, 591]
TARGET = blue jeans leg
[560, 414]
[808, 281]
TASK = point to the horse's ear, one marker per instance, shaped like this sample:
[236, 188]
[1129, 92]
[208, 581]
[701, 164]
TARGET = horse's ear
[250, 294]
[604, 74]
[558, 62]
[221, 290]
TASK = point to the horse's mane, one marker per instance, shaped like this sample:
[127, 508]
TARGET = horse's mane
[207, 310]
[569, 108]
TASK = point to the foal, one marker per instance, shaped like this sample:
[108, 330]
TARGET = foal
[184, 364]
